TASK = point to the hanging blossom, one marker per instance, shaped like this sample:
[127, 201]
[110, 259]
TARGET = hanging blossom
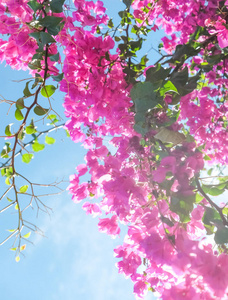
[99, 100]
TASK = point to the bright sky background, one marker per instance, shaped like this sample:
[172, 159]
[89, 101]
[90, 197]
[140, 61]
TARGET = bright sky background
[74, 261]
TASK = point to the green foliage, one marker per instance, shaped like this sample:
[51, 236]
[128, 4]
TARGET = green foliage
[54, 57]
[26, 158]
[58, 77]
[18, 115]
[40, 111]
[215, 190]
[26, 89]
[20, 103]
[127, 3]
[211, 216]
[48, 90]
[57, 6]
[157, 73]
[5, 152]
[182, 205]
[144, 98]
[34, 5]
[36, 147]
[53, 27]
[8, 130]
[30, 129]
[27, 235]
[46, 38]
[23, 189]
[49, 140]
[221, 235]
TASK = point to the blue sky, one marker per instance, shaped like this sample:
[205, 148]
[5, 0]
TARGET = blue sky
[74, 260]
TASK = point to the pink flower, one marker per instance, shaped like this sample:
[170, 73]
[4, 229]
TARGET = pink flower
[168, 164]
[110, 226]
[91, 209]
[82, 169]
[140, 288]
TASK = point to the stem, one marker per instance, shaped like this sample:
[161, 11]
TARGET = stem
[219, 209]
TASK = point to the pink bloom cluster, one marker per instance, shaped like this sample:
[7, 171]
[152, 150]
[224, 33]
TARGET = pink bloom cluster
[174, 17]
[206, 121]
[175, 264]
[18, 49]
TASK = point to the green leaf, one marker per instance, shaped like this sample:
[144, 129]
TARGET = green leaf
[48, 90]
[206, 157]
[50, 21]
[140, 128]
[184, 218]
[16, 206]
[8, 199]
[20, 103]
[46, 38]
[110, 23]
[7, 181]
[8, 130]
[22, 247]
[127, 3]
[23, 189]
[52, 24]
[136, 45]
[57, 5]
[190, 86]
[209, 172]
[38, 56]
[40, 111]
[199, 198]
[49, 140]
[211, 216]
[67, 133]
[27, 235]
[221, 235]
[34, 5]
[26, 158]
[179, 79]
[58, 78]
[166, 221]
[168, 87]
[17, 258]
[30, 129]
[9, 171]
[51, 117]
[54, 57]
[144, 98]
[117, 39]
[18, 115]
[26, 90]
[157, 73]
[3, 172]
[182, 206]
[4, 154]
[35, 35]
[38, 147]
[213, 190]
[13, 249]
[35, 64]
